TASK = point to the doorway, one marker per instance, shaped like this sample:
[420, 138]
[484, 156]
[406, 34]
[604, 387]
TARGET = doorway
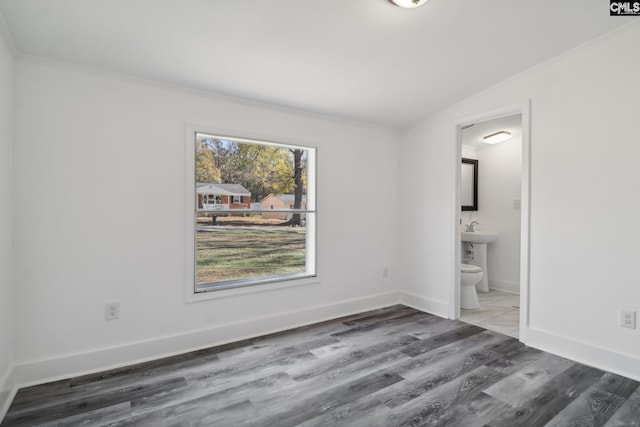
[502, 211]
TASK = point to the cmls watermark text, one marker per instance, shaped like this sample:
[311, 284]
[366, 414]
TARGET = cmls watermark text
[620, 8]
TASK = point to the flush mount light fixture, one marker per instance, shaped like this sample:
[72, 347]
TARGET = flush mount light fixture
[496, 137]
[408, 3]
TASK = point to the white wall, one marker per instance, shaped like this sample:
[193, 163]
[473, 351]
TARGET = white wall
[91, 151]
[6, 215]
[500, 167]
[584, 178]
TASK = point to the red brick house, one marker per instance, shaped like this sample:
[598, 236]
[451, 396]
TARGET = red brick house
[222, 196]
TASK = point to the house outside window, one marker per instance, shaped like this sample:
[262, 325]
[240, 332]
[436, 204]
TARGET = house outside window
[238, 240]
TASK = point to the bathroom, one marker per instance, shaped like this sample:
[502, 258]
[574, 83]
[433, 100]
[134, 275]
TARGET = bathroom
[497, 212]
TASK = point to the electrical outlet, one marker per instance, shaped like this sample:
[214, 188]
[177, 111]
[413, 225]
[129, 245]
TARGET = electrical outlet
[385, 272]
[628, 319]
[112, 311]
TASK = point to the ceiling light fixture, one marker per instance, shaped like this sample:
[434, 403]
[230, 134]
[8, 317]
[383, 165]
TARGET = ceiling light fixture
[496, 137]
[408, 3]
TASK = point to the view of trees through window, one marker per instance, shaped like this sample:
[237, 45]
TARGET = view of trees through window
[254, 214]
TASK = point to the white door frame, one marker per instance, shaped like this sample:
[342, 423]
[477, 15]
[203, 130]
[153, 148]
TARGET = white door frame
[454, 295]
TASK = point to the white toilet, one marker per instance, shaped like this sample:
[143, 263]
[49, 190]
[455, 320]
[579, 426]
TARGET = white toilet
[470, 275]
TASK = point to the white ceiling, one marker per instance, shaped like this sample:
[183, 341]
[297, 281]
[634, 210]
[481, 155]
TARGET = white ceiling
[358, 59]
[472, 136]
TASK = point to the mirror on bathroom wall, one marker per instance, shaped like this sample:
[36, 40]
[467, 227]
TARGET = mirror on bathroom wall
[469, 184]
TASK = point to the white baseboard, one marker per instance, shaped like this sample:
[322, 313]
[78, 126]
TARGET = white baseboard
[504, 285]
[588, 354]
[439, 308]
[37, 372]
[71, 365]
[8, 391]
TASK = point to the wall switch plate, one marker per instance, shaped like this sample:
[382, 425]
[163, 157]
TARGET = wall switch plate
[112, 311]
[516, 204]
[628, 319]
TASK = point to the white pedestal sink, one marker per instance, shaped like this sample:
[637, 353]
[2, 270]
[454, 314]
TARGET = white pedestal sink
[479, 240]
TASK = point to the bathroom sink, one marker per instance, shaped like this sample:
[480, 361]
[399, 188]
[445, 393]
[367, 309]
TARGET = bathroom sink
[478, 236]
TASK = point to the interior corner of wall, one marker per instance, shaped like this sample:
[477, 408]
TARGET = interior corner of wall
[427, 305]
[8, 390]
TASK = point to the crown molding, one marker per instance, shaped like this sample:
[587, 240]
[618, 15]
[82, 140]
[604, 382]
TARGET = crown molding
[6, 35]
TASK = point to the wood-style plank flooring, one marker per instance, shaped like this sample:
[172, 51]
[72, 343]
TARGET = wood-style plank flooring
[390, 367]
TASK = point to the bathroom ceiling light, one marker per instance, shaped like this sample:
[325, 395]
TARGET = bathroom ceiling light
[496, 137]
[408, 3]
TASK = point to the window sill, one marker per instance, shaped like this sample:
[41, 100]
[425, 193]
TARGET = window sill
[229, 290]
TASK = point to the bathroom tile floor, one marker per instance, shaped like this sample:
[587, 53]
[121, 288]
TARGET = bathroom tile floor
[499, 311]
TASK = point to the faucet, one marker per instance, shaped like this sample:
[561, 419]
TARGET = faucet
[471, 227]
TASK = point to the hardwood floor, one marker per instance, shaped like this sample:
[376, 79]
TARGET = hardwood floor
[390, 367]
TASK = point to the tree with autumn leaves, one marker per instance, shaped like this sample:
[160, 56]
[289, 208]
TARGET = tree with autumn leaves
[261, 169]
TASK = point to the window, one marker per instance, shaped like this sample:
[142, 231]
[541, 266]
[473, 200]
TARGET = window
[255, 214]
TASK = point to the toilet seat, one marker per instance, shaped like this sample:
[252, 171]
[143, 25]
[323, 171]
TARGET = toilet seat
[468, 268]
